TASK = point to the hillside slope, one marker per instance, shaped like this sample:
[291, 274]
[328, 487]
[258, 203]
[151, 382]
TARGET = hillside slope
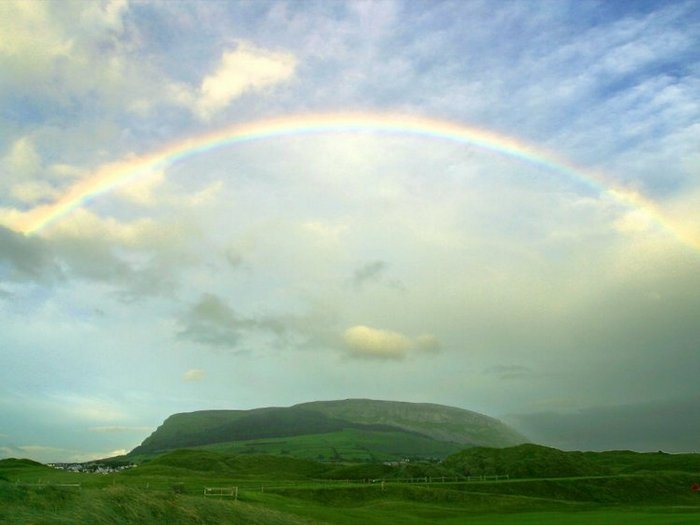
[434, 422]
[439, 422]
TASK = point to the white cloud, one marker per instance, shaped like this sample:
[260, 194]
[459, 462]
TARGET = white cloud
[22, 160]
[33, 191]
[21, 168]
[105, 17]
[29, 40]
[365, 341]
[194, 374]
[144, 190]
[246, 68]
[141, 234]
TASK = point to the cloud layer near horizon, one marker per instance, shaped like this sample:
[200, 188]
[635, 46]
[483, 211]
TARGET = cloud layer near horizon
[344, 264]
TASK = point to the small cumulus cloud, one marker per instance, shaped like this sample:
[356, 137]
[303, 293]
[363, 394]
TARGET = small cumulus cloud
[194, 374]
[365, 341]
[246, 68]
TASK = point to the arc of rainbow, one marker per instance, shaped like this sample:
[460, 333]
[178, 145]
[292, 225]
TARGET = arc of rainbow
[113, 175]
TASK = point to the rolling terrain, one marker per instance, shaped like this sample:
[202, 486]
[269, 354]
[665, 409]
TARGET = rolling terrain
[569, 488]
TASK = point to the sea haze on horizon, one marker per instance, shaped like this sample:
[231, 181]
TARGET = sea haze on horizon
[355, 263]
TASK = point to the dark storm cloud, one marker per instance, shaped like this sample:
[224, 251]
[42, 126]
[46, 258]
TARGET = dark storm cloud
[671, 426]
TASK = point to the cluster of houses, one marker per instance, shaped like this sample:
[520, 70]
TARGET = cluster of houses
[404, 461]
[94, 468]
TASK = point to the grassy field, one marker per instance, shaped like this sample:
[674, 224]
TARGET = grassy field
[612, 516]
[284, 490]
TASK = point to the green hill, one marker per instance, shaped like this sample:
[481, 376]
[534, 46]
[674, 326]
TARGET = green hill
[523, 461]
[536, 461]
[356, 429]
[189, 462]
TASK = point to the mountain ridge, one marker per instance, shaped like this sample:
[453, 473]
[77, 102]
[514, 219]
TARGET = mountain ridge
[402, 422]
[441, 422]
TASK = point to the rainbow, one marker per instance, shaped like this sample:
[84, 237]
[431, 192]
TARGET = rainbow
[113, 175]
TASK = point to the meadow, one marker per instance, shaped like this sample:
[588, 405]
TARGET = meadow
[282, 490]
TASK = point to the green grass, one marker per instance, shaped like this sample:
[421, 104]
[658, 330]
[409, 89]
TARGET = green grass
[286, 490]
[611, 516]
[119, 504]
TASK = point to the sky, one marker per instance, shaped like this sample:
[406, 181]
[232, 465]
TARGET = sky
[488, 205]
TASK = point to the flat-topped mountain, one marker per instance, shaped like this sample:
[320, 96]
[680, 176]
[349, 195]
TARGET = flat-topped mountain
[439, 422]
[347, 429]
